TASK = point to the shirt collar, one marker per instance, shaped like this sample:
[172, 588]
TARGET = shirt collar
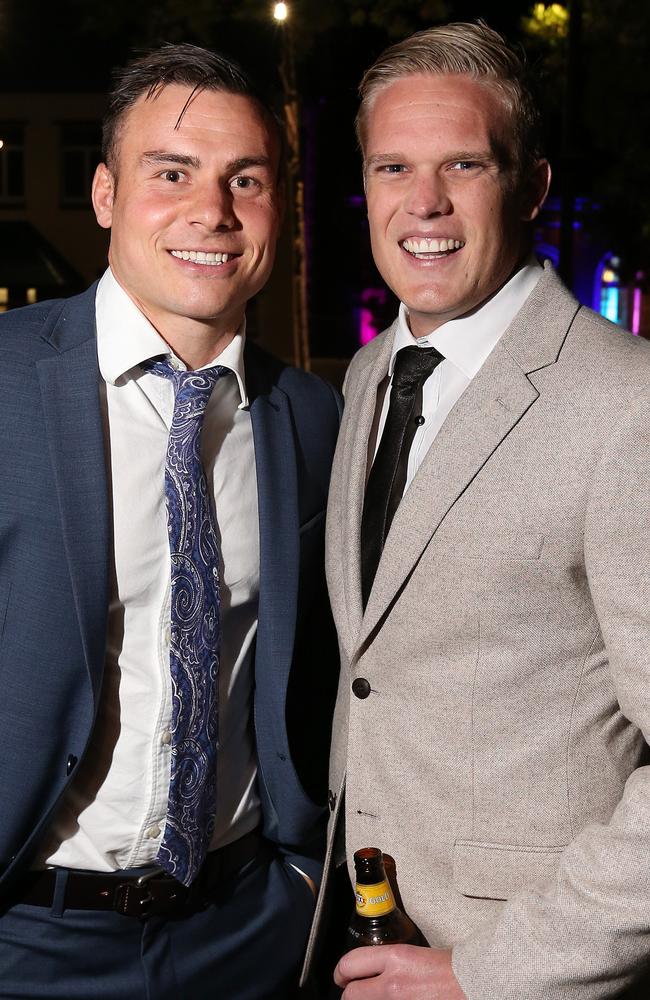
[126, 338]
[468, 340]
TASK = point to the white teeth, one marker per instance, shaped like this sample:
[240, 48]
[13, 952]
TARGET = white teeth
[425, 247]
[202, 257]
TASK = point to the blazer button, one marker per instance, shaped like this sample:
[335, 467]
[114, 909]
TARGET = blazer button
[71, 764]
[331, 800]
[361, 687]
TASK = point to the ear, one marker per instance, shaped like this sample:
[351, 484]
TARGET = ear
[534, 190]
[103, 195]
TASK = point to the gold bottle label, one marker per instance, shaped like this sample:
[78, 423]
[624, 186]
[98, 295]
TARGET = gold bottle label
[374, 900]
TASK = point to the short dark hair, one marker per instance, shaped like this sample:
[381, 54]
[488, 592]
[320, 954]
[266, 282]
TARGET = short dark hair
[184, 64]
[464, 49]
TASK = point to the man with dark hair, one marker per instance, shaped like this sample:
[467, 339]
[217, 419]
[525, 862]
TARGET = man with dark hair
[183, 65]
[487, 557]
[166, 646]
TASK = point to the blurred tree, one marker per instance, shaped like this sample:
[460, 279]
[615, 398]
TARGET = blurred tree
[612, 164]
[246, 28]
[156, 18]
[550, 22]
[72, 44]
[617, 121]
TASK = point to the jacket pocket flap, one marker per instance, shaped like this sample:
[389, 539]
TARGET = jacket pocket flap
[493, 543]
[498, 871]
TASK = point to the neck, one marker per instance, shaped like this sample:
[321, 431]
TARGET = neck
[199, 346]
[196, 342]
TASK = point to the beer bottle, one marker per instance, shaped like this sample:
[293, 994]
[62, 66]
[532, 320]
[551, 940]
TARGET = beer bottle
[377, 918]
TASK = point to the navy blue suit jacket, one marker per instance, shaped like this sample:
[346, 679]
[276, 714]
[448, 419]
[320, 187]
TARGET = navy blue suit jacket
[55, 551]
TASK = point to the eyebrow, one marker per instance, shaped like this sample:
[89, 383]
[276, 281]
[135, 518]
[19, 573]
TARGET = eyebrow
[244, 162]
[180, 159]
[381, 158]
[483, 156]
[185, 160]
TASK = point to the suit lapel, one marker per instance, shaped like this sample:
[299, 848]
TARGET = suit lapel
[500, 394]
[491, 406]
[277, 491]
[359, 418]
[69, 381]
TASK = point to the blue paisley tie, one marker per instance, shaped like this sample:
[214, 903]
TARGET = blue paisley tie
[195, 629]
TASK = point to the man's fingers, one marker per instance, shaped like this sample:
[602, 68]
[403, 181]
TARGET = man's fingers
[360, 963]
[398, 970]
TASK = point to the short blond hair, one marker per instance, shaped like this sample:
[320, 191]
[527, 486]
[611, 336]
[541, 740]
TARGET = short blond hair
[461, 49]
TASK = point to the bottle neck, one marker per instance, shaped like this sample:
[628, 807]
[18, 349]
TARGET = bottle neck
[369, 866]
[375, 899]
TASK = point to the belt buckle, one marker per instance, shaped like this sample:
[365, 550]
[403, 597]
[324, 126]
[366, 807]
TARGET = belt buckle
[140, 898]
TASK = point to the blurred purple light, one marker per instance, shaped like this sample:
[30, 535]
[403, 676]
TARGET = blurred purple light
[636, 311]
[367, 328]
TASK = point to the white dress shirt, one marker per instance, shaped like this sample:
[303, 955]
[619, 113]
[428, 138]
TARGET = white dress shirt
[465, 344]
[113, 816]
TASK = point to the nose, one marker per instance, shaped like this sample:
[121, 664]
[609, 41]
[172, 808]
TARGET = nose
[427, 197]
[212, 207]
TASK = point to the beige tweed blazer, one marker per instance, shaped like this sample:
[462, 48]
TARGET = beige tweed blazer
[500, 755]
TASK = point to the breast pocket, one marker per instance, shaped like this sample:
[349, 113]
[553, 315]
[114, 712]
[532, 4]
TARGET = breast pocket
[520, 546]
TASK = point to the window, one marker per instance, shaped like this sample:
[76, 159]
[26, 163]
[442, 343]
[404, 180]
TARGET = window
[80, 154]
[12, 163]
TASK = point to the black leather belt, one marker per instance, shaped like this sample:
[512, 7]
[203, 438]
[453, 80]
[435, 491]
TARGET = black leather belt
[148, 892]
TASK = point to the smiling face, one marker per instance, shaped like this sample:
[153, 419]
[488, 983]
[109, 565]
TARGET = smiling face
[194, 211]
[446, 218]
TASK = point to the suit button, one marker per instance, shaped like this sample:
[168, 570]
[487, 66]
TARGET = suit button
[331, 800]
[361, 687]
[71, 764]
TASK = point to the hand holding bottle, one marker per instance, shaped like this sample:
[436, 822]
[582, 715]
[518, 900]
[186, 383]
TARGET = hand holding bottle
[399, 970]
[405, 965]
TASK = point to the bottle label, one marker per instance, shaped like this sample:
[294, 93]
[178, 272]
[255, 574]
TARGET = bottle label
[374, 900]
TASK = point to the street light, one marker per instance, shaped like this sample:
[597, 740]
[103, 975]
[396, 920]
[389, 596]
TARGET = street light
[300, 324]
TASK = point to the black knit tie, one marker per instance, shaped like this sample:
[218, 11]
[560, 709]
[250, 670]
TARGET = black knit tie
[387, 479]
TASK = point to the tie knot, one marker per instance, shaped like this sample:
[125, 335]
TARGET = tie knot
[191, 387]
[413, 365]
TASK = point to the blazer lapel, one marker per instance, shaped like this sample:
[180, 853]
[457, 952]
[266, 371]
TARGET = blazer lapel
[500, 395]
[359, 417]
[277, 492]
[69, 381]
[493, 403]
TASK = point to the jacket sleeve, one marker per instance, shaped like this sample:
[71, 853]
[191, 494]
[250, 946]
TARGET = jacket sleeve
[585, 935]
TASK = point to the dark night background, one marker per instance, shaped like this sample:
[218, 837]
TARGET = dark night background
[71, 45]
